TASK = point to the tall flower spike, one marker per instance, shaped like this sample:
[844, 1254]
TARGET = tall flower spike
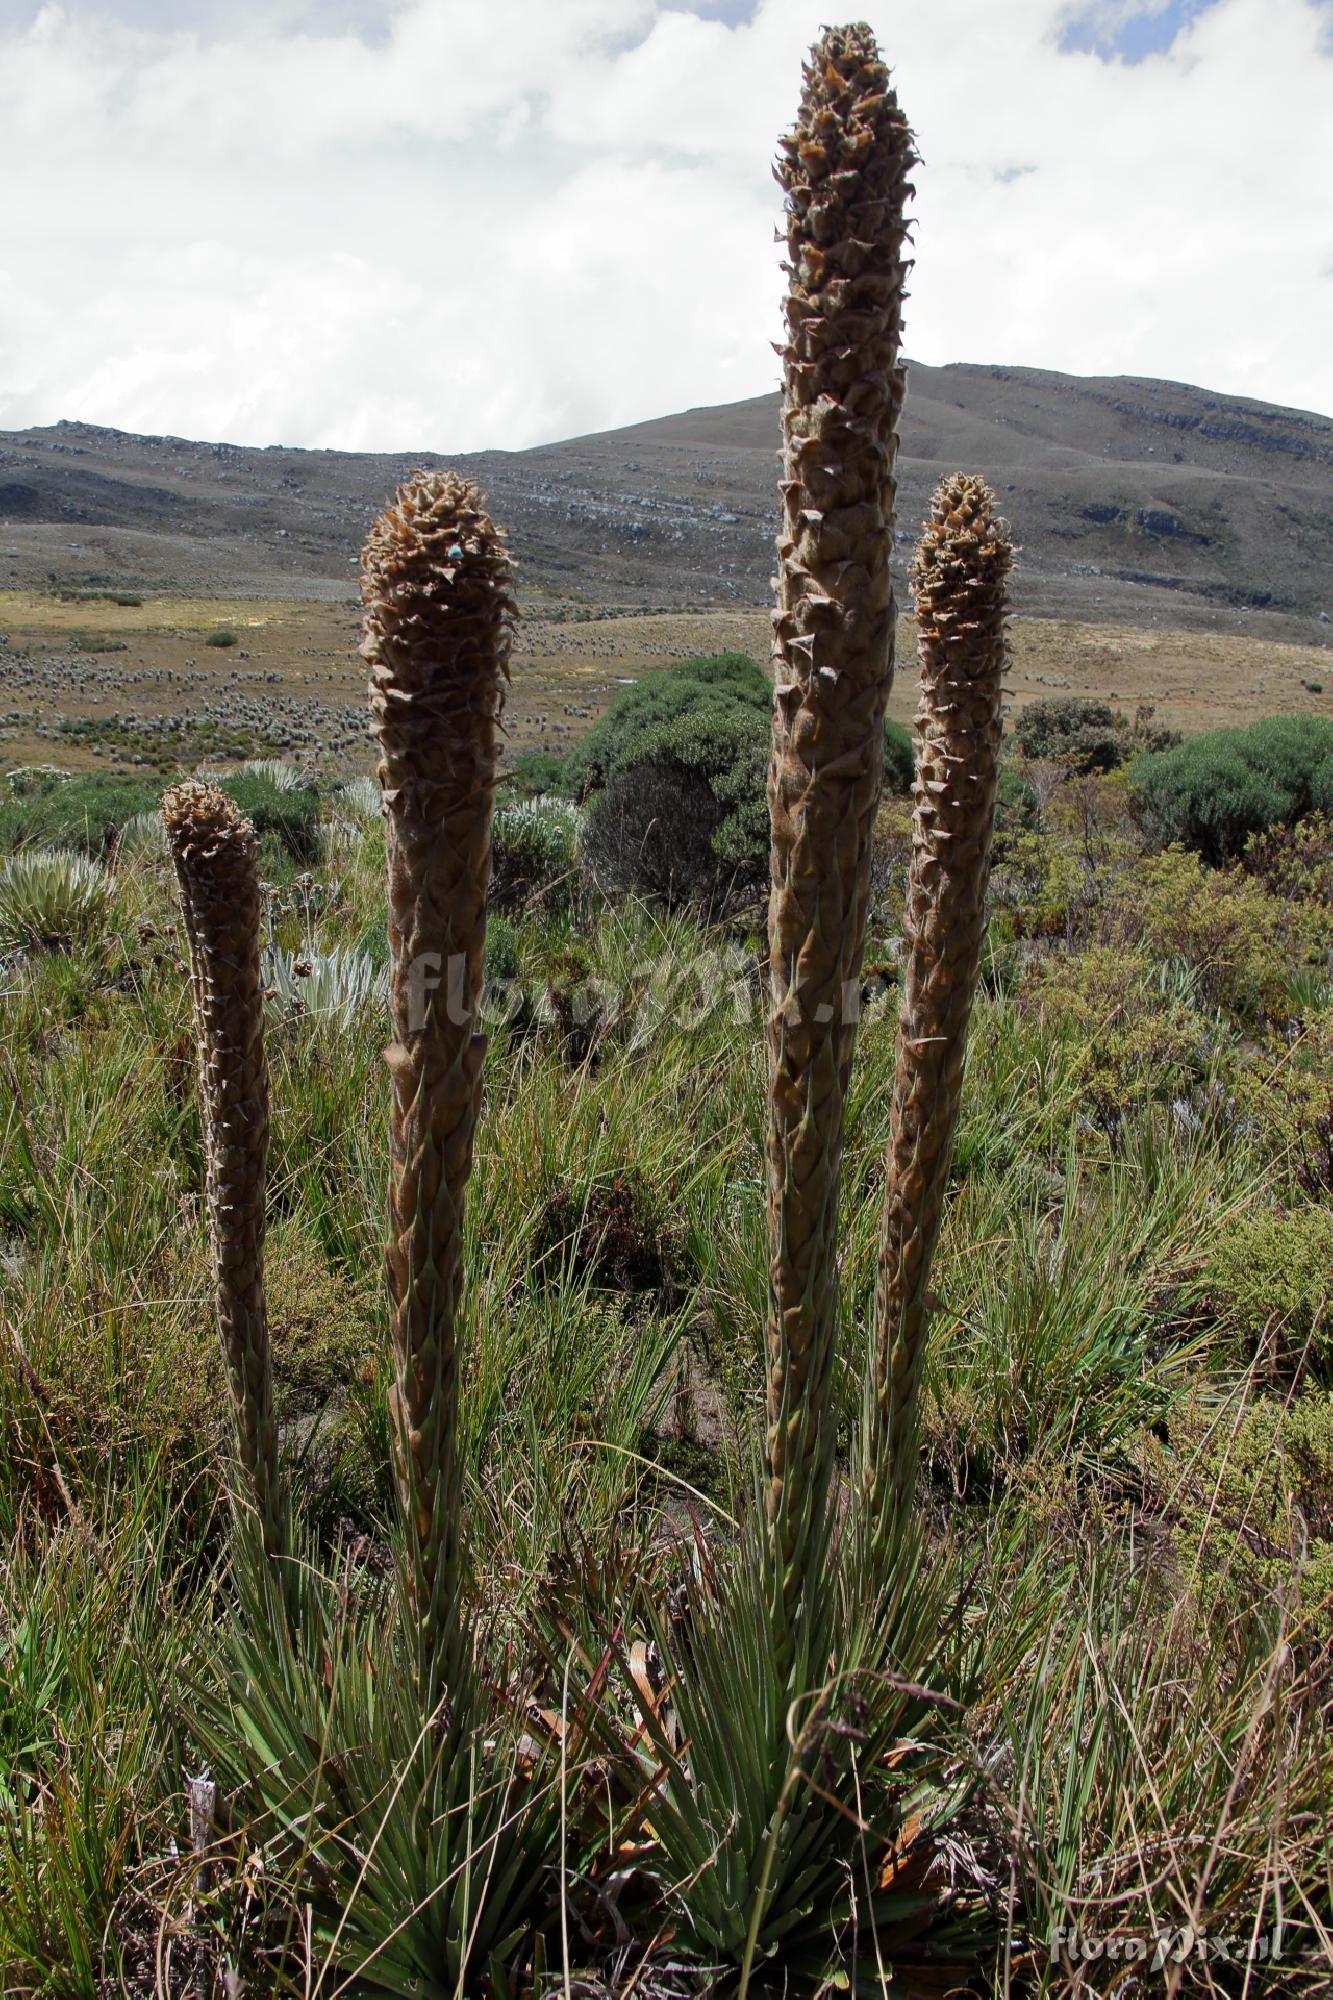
[845, 171]
[216, 858]
[439, 609]
[960, 574]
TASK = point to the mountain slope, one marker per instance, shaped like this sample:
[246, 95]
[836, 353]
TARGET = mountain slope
[1133, 500]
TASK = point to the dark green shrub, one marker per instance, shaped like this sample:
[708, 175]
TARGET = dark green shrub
[224, 636]
[723, 681]
[1017, 810]
[502, 959]
[548, 773]
[288, 815]
[97, 642]
[1071, 729]
[85, 813]
[686, 816]
[1215, 791]
[676, 778]
[899, 757]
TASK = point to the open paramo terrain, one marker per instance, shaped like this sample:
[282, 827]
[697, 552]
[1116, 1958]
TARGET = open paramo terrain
[1125, 1617]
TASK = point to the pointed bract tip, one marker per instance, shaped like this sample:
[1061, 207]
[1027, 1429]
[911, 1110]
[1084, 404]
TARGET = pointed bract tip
[206, 829]
[434, 534]
[965, 544]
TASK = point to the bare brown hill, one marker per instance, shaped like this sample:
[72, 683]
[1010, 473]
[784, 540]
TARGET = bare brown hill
[1135, 502]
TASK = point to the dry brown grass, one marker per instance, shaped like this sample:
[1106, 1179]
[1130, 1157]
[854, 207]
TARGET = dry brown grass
[567, 670]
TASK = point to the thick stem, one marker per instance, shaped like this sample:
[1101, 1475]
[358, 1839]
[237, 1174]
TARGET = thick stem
[961, 566]
[216, 857]
[438, 620]
[845, 171]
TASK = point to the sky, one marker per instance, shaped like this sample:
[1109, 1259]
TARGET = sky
[459, 224]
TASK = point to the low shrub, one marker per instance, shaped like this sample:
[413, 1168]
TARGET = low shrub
[723, 680]
[1295, 861]
[1017, 810]
[675, 775]
[287, 813]
[686, 817]
[899, 756]
[85, 813]
[1215, 792]
[1082, 734]
[1242, 944]
[533, 846]
[548, 773]
[1273, 1286]
[223, 636]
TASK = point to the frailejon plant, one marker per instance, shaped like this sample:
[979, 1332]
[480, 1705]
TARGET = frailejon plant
[439, 609]
[960, 575]
[216, 857]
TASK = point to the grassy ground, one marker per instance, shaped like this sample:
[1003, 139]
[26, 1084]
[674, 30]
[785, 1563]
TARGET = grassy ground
[94, 683]
[1128, 1433]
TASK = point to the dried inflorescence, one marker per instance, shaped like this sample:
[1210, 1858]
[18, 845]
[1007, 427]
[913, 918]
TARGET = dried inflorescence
[845, 171]
[216, 858]
[960, 575]
[439, 609]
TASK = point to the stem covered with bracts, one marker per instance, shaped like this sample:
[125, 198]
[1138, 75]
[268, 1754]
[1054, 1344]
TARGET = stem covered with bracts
[439, 609]
[216, 857]
[960, 575]
[845, 171]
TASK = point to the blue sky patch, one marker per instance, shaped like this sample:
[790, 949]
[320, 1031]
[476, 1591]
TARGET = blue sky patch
[1128, 33]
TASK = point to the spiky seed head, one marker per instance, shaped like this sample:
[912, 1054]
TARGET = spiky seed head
[210, 837]
[216, 856]
[959, 572]
[437, 586]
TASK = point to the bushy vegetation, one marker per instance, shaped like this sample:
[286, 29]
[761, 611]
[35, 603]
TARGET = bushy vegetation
[53, 808]
[1085, 735]
[1125, 1434]
[534, 844]
[282, 804]
[1214, 793]
[673, 777]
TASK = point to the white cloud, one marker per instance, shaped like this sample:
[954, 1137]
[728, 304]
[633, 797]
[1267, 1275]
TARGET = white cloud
[492, 225]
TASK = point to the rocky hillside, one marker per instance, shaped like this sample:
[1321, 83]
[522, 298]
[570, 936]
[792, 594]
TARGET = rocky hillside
[1134, 501]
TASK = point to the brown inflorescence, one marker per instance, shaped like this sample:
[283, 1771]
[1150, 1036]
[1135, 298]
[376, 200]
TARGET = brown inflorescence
[844, 169]
[216, 858]
[439, 610]
[960, 575]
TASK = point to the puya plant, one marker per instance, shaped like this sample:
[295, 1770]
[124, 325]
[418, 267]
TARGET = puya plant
[799, 1683]
[805, 1679]
[360, 1720]
[960, 575]
[216, 859]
